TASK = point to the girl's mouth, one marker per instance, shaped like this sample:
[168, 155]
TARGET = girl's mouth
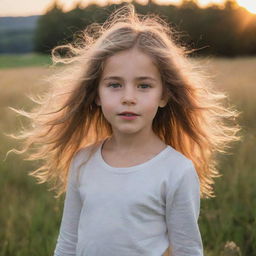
[128, 116]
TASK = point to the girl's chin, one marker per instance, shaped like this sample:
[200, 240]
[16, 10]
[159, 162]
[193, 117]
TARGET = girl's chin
[127, 129]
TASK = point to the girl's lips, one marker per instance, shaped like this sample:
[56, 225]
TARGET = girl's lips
[128, 117]
[128, 113]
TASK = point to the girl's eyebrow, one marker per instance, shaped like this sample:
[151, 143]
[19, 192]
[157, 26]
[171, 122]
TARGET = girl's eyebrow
[137, 78]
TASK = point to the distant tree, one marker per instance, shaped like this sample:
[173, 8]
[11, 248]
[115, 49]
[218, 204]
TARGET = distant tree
[192, 4]
[230, 5]
[51, 29]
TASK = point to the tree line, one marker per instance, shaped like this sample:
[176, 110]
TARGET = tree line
[228, 31]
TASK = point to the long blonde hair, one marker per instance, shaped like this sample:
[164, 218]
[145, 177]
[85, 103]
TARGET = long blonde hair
[68, 119]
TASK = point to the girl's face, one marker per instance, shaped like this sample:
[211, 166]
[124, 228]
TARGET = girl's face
[130, 83]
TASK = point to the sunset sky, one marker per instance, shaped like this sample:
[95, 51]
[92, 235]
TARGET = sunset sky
[32, 7]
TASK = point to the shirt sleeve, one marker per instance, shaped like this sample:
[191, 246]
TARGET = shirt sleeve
[67, 239]
[182, 212]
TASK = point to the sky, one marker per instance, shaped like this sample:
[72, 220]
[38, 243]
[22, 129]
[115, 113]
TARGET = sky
[35, 7]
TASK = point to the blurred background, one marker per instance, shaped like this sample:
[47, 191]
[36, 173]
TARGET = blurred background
[224, 34]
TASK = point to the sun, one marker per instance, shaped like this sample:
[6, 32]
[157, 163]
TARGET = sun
[250, 5]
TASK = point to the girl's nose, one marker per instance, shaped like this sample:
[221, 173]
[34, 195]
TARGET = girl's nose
[129, 96]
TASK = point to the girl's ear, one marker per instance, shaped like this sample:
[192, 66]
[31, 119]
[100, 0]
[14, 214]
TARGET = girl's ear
[162, 104]
[97, 101]
[163, 101]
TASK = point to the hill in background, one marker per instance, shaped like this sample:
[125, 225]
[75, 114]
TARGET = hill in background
[17, 34]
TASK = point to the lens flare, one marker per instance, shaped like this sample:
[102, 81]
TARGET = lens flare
[250, 5]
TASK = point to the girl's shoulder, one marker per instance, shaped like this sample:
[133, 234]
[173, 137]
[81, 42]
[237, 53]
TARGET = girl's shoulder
[79, 159]
[84, 154]
[181, 167]
[177, 159]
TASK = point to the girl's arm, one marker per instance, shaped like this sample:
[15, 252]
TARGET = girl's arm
[182, 212]
[67, 240]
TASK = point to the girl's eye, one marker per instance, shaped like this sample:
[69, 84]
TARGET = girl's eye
[145, 86]
[116, 85]
[113, 85]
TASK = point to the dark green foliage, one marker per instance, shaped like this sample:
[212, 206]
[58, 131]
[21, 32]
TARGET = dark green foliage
[225, 32]
[51, 29]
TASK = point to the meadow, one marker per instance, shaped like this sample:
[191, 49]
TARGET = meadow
[30, 215]
[23, 60]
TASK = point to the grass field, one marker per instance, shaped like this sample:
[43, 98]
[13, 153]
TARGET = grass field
[23, 60]
[30, 216]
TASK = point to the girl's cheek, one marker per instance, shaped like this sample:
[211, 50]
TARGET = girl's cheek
[110, 103]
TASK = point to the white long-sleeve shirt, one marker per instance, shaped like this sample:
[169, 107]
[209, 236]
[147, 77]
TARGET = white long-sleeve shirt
[134, 211]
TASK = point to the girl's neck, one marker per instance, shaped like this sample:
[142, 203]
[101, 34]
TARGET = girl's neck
[131, 144]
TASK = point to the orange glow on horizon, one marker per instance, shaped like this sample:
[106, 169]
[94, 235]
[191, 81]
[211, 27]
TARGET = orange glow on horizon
[248, 4]
[31, 7]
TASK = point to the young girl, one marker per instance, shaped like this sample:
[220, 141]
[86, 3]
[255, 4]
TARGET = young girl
[129, 130]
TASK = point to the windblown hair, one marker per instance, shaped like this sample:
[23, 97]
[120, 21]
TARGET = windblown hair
[68, 118]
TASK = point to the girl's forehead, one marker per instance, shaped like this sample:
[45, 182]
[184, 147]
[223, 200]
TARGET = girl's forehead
[130, 54]
[132, 61]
